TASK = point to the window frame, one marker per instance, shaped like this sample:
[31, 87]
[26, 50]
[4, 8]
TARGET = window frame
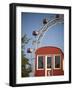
[54, 61]
[51, 62]
[37, 62]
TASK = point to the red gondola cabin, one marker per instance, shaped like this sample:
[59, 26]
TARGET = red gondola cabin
[49, 61]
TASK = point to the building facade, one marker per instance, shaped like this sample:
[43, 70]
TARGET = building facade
[49, 61]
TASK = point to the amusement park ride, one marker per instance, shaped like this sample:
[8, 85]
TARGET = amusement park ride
[39, 35]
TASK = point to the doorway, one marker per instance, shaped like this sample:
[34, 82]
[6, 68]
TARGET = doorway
[48, 65]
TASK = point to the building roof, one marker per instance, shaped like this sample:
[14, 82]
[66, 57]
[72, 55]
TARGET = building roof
[48, 50]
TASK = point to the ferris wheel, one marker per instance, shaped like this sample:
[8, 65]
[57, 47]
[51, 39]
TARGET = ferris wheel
[39, 34]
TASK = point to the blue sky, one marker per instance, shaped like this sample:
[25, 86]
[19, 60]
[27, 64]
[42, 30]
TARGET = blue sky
[33, 21]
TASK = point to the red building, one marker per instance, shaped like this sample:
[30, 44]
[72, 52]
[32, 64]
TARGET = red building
[49, 61]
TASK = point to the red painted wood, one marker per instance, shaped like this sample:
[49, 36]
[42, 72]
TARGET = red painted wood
[46, 51]
[40, 73]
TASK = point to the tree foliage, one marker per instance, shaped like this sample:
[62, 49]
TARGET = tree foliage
[26, 66]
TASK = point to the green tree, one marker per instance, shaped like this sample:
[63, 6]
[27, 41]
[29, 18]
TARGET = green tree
[26, 66]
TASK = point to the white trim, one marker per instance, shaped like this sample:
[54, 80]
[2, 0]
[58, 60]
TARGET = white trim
[60, 60]
[45, 65]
